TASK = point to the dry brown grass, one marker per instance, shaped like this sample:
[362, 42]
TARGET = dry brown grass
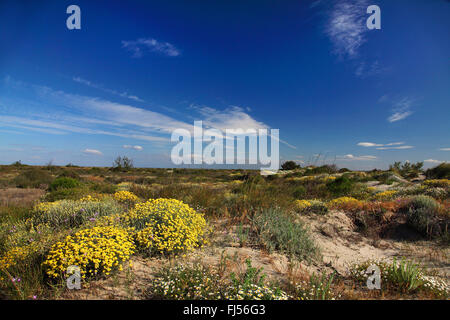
[19, 197]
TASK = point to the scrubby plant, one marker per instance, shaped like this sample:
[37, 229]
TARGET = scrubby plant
[199, 282]
[423, 215]
[250, 285]
[33, 178]
[277, 231]
[407, 170]
[289, 165]
[441, 171]
[311, 206]
[385, 195]
[126, 197]
[299, 192]
[340, 186]
[63, 183]
[96, 251]
[346, 204]
[404, 275]
[166, 226]
[442, 183]
[317, 288]
[181, 282]
[72, 213]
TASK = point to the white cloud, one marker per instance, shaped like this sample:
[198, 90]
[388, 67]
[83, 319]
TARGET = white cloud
[356, 158]
[433, 161]
[386, 146]
[444, 149]
[138, 148]
[93, 151]
[369, 144]
[397, 116]
[100, 87]
[401, 110]
[139, 46]
[347, 26]
[395, 148]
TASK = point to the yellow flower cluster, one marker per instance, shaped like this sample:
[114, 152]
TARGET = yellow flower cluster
[96, 251]
[442, 183]
[167, 225]
[45, 207]
[328, 179]
[302, 205]
[92, 198]
[345, 203]
[126, 197]
[385, 195]
[14, 255]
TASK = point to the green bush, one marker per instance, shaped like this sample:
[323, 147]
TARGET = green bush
[278, 231]
[289, 165]
[441, 171]
[423, 215]
[340, 186]
[299, 192]
[63, 183]
[33, 178]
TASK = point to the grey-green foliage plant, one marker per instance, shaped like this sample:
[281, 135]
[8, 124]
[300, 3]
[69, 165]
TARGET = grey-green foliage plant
[278, 231]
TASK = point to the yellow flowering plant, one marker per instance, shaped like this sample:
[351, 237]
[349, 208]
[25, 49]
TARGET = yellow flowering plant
[96, 251]
[442, 183]
[126, 197]
[346, 203]
[166, 225]
[385, 195]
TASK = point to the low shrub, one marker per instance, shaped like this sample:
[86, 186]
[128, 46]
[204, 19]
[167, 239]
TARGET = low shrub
[33, 178]
[317, 288]
[403, 275]
[442, 183]
[72, 213]
[423, 215]
[346, 204]
[63, 183]
[441, 171]
[299, 192]
[96, 251]
[126, 197]
[340, 186]
[166, 226]
[385, 195]
[311, 206]
[277, 231]
[198, 282]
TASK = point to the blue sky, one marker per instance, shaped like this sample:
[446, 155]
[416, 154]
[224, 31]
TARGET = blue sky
[137, 70]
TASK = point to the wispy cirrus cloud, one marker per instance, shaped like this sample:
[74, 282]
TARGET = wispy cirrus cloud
[346, 27]
[101, 87]
[96, 116]
[387, 146]
[444, 149]
[401, 109]
[140, 46]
